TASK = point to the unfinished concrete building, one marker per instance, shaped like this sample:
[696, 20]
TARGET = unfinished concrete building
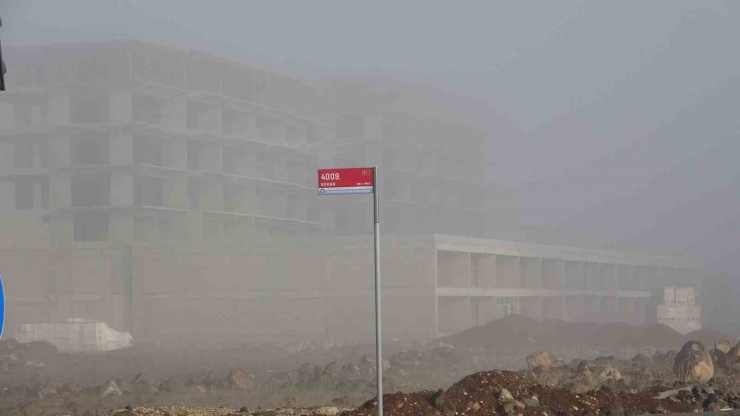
[163, 191]
[123, 143]
[433, 169]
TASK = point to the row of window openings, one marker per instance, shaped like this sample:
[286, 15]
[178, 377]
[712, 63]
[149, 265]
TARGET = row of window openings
[149, 151]
[95, 226]
[95, 191]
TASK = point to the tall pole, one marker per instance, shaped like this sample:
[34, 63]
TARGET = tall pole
[378, 337]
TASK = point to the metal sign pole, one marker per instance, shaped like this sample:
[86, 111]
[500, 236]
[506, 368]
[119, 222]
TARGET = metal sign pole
[348, 181]
[378, 336]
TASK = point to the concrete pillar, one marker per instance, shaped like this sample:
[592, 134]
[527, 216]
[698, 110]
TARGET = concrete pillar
[175, 153]
[122, 190]
[175, 192]
[121, 107]
[121, 148]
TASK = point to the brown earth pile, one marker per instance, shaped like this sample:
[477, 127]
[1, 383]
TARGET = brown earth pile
[483, 394]
[516, 331]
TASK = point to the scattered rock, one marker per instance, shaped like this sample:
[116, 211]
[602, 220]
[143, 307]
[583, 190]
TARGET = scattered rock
[507, 407]
[723, 345]
[544, 359]
[505, 395]
[173, 384]
[49, 389]
[240, 379]
[531, 401]
[641, 360]
[145, 386]
[733, 356]
[110, 389]
[605, 375]
[125, 386]
[332, 370]
[615, 410]
[693, 363]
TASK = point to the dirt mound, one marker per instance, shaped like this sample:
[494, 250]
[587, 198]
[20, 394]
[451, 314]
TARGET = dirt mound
[509, 332]
[517, 331]
[483, 394]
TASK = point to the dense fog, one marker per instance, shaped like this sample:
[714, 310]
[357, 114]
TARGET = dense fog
[185, 138]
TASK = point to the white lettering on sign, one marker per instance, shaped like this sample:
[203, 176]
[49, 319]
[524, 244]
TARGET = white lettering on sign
[325, 184]
[330, 176]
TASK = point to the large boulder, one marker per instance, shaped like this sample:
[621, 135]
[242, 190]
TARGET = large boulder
[240, 380]
[693, 363]
[719, 358]
[145, 386]
[723, 345]
[605, 375]
[733, 356]
[543, 359]
[641, 361]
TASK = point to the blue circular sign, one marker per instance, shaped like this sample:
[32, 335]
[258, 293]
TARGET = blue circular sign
[2, 307]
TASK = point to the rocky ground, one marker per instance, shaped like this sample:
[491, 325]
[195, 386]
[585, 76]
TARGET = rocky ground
[487, 377]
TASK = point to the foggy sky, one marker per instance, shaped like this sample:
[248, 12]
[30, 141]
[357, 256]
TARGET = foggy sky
[612, 124]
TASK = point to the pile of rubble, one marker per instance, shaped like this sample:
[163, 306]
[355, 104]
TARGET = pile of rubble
[509, 393]
[37, 378]
[515, 331]
[694, 363]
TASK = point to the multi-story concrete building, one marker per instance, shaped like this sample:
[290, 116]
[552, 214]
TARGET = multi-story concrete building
[173, 194]
[433, 171]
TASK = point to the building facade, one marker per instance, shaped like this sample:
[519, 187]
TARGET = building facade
[140, 184]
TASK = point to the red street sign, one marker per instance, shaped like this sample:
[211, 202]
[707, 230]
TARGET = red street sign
[346, 181]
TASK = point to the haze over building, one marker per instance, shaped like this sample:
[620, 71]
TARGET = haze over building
[162, 190]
